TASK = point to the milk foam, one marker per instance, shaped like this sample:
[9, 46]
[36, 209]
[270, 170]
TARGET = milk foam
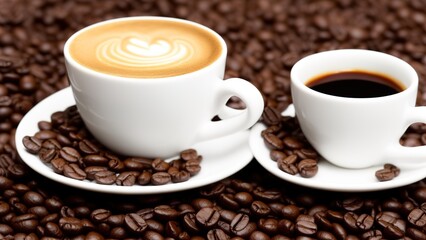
[136, 52]
[145, 48]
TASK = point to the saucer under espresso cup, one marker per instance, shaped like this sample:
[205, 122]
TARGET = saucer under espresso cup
[150, 86]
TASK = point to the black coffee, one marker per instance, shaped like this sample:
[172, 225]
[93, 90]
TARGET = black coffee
[355, 84]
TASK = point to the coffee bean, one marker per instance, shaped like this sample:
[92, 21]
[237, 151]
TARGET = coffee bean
[70, 154]
[288, 165]
[32, 144]
[105, 177]
[165, 212]
[207, 217]
[160, 178]
[192, 167]
[26, 222]
[190, 222]
[189, 154]
[100, 215]
[47, 155]
[305, 224]
[417, 217]
[180, 176]
[271, 116]
[74, 171]
[58, 164]
[95, 160]
[260, 208]
[88, 147]
[32, 198]
[135, 223]
[127, 178]
[160, 165]
[307, 168]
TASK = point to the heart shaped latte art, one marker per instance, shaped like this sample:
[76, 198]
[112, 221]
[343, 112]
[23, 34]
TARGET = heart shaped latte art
[135, 52]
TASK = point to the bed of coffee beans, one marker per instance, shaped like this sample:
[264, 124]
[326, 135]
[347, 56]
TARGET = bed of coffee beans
[265, 39]
[69, 149]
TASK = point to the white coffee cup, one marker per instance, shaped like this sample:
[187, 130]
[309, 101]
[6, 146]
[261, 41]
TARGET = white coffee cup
[358, 132]
[161, 116]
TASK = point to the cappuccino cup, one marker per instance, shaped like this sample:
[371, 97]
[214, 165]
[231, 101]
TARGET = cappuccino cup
[353, 125]
[151, 86]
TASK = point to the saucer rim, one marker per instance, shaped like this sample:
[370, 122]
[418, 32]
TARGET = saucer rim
[49, 105]
[258, 148]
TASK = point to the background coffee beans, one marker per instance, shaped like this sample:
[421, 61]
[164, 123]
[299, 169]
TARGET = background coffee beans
[265, 39]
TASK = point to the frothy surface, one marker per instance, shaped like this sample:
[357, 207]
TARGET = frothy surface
[142, 48]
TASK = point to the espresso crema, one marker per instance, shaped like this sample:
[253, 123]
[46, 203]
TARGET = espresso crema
[145, 48]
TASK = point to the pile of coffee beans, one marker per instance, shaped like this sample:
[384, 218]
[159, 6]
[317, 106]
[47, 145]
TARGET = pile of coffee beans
[265, 39]
[288, 146]
[68, 147]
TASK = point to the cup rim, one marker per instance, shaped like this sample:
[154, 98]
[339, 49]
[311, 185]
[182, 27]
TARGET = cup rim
[300, 84]
[70, 60]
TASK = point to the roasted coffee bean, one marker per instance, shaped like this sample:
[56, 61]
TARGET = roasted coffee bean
[25, 223]
[88, 147]
[227, 200]
[32, 144]
[144, 178]
[288, 165]
[74, 171]
[271, 116]
[189, 154]
[160, 178]
[92, 170]
[152, 235]
[58, 164]
[100, 215]
[32, 198]
[105, 177]
[165, 212]
[207, 217]
[417, 217]
[190, 222]
[47, 155]
[45, 134]
[70, 225]
[160, 165]
[116, 165]
[52, 229]
[192, 167]
[127, 178]
[307, 168]
[199, 203]
[217, 234]
[70, 154]
[51, 144]
[277, 155]
[173, 229]
[137, 164]
[95, 160]
[273, 141]
[243, 198]
[305, 224]
[135, 223]
[180, 176]
[268, 225]
[260, 209]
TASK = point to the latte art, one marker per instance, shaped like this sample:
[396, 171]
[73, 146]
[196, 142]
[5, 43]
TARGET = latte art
[134, 52]
[145, 48]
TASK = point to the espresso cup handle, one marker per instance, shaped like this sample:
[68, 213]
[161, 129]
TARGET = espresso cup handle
[233, 120]
[408, 157]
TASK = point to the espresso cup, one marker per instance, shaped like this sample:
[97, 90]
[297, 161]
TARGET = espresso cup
[150, 86]
[354, 131]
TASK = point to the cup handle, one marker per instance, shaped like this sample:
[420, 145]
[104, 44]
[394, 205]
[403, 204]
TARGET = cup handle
[409, 157]
[233, 120]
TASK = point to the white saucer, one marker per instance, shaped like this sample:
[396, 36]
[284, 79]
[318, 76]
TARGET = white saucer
[331, 177]
[222, 157]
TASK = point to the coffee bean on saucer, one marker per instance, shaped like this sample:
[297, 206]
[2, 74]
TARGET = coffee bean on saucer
[388, 172]
[32, 144]
[307, 168]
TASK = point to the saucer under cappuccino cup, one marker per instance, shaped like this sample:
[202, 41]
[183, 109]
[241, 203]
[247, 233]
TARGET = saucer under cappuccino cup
[150, 86]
